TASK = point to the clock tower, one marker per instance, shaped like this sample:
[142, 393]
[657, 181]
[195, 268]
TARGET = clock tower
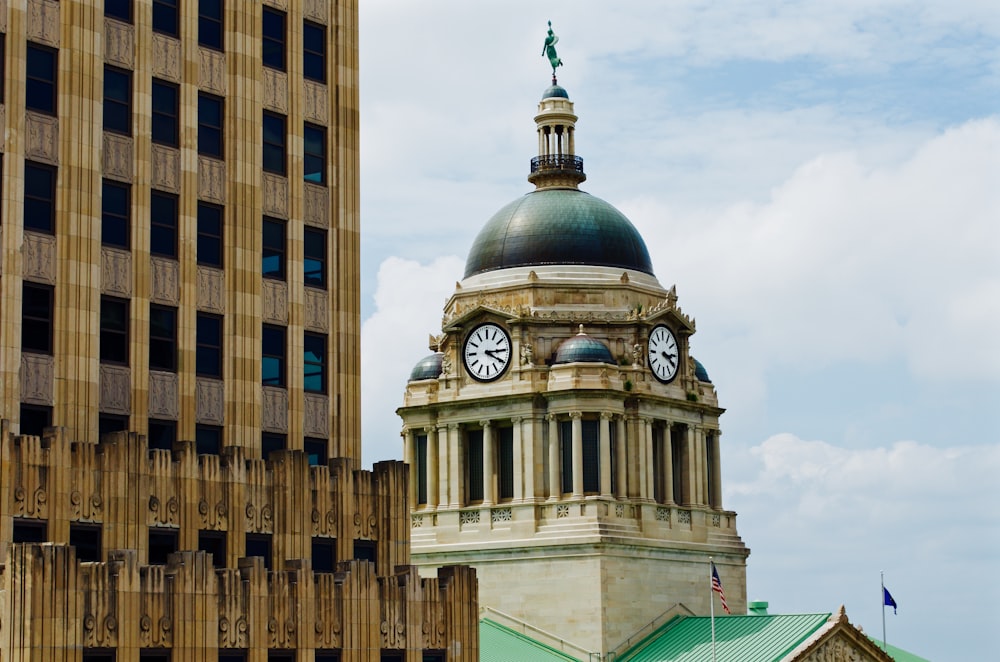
[561, 437]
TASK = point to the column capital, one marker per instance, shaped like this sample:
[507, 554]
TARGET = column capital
[551, 418]
[516, 420]
[429, 430]
[453, 427]
[607, 416]
[486, 423]
[576, 415]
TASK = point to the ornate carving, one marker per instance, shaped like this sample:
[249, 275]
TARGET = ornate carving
[212, 71]
[116, 389]
[155, 631]
[165, 281]
[837, 650]
[275, 193]
[166, 168]
[233, 634]
[211, 180]
[116, 272]
[119, 40]
[37, 373]
[468, 517]
[43, 22]
[317, 311]
[163, 514]
[416, 521]
[663, 514]
[209, 401]
[163, 395]
[683, 516]
[274, 417]
[501, 515]
[317, 415]
[276, 90]
[315, 10]
[619, 510]
[42, 138]
[213, 517]
[562, 510]
[211, 290]
[39, 252]
[166, 57]
[716, 521]
[117, 155]
[282, 634]
[315, 102]
[317, 205]
[258, 519]
[527, 354]
[275, 301]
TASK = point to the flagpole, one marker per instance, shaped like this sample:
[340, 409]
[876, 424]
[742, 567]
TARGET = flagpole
[885, 644]
[711, 604]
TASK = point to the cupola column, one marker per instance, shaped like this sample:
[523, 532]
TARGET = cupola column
[432, 467]
[621, 468]
[691, 468]
[577, 418]
[647, 465]
[715, 466]
[442, 472]
[487, 463]
[605, 449]
[701, 490]
[555, 488]
[409, 456]
[668, 464]
[456, 466]
[523, 457]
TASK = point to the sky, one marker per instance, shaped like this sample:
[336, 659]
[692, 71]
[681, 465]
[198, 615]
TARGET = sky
[821, 181]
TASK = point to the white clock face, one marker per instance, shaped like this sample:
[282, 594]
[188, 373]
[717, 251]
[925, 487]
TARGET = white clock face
[664, 354]
[486, 352]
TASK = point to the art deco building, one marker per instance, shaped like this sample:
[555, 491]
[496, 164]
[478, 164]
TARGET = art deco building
[179, 352]
[562, 439]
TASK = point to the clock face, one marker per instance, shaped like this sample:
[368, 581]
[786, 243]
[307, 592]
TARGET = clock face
[486, 352]
[664, 354]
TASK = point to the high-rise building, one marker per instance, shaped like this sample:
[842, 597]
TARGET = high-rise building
[179, 345]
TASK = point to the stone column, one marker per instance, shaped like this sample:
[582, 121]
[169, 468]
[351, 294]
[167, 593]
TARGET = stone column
[432, 468]
[555, 487]
[701, 475]
[488, 483]
[646, 427]
[716, 485]
[456, 473]
[524, 456]
[577, 453]
[621, 468]
[636, 475]
[605, 450]
[691, 470]
[409, 456]
[668, 464]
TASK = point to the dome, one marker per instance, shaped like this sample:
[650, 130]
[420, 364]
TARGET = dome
[700, 373]
[555, 91]
[581, 348]
[428, 367]
[558, 226]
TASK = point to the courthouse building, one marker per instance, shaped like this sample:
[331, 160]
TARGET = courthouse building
[179, 346]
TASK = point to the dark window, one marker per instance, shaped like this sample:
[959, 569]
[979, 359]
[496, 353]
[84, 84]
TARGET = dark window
[273, 355]
[280, 656]
[116, 214]
[364, 550]
[324, 554]
[120, 9]
[214, 542]
[209, 234]
[474, 465]
[3, 65]
[30, 530]
[314, 259]
[163, 224]
[164, 128]
[259, 544]
[591, 456]
[40, 86]
[273, 254]
[154, 655]
[314, 142]
[316, 449]
[273, 32]
[678, 460]
[208, 353]
[208, 439]
[210, 24]
[327, 656]
[271, 442]
[566, 448]
[433, 656]
[274, 143]
[210, 116]
[109, 423]
[114, 330]
[505, 463]
[232, 656]
[314, 359]
[98, 656]
[392, 656]
[710, 477]
[165, 17]
[314, 51]
[36, 318]
[162, 434]
[35, 418]
[117, 100]
[162, 338]
[39, 197]
[87, 540]
[162, 543]
[421, 468]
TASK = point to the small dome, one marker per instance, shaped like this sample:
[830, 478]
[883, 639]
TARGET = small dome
[581, 348]
[555, 91]
[428, 367]
[702, 375]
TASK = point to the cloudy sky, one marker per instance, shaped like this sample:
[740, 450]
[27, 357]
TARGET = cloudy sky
[821, 180]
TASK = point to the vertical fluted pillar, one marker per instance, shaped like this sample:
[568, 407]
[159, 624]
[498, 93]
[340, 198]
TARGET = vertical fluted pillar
[646, 426]
[456, 473]
[555, 487]
[716, 484]
[524, 463]
[605, 451]
[701, 470]
[621, 468]
[488, 482]
[577, 418]
[410, 456]
[691, 468]
[668, 464]
[441, 475]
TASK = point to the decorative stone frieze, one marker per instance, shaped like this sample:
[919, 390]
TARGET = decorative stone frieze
[317, 306]
[316, 421]
[43, 22]
[119, 43]
[315, 10]
[274, 413]
[37, 378]
[42, 138]
[117, 157]
[166, 57]
[275, 195]
[212, 71]
[276, 90]
[116, 272]
[165, 281]
[166, 168]
[315, 102]
[163, 395]
[116, 389]
[209, 401]
[211, 289]
[275, 299]
[39, 257]
[317, 205]
[211, 180]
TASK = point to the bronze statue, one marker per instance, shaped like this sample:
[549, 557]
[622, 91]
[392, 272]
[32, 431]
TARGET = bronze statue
[549, 49]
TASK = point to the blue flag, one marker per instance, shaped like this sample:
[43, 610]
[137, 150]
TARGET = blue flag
[887, 599]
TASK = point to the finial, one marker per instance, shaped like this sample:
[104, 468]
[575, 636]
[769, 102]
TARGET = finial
[581, 333]
[549, 50]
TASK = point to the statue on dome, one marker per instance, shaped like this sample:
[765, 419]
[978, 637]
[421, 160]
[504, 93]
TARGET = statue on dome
[549, 50]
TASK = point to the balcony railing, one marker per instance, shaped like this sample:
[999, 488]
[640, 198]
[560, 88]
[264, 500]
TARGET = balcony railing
[557, 162]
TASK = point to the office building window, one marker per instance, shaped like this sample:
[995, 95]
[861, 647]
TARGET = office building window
[210, 234]
[120, 9]
[314, 140]
[208, 439]
[210, 24]
[35, 418]
[324, 554]
[208, 353]
[162, 543]
[232, 656]
[474, 466]
[114, 330]
[327, 656]
[162, 338]
[273, 32]
[165, 17]
[117, 100]
[86, 538]
[259, 544]
[364, 550]
[314, 363]
[36, 318]
[273, 254]
[109, 423]
[433, 656]
[165, 113]
[154, 655]
[271, 442]
[274, 143]
[39, 197]
[163, 224]
[316, 449]
[92, 655]
[116, 214]
[40, 86]
[314, 52]
[161, 434]
[314, 258]
[30, 530]
[210, 115]
[214, 543]
[273, 355]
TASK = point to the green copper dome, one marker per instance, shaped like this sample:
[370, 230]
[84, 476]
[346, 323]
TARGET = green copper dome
[558, 226]
[581, 348]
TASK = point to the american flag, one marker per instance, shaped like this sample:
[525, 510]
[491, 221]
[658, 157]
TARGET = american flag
[717, 587]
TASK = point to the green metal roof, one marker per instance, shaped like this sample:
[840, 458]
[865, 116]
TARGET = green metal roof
[899, 654]
[737, 638]
[498, 643]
